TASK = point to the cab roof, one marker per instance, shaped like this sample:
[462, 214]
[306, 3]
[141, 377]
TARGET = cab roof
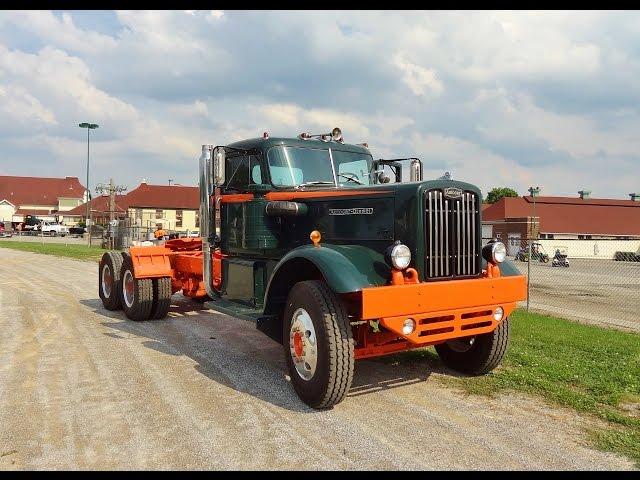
[262, 144]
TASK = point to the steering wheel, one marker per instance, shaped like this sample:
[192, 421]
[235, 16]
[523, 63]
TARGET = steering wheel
[352, 178]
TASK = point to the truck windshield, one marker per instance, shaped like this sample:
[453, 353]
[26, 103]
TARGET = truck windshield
[294, 166]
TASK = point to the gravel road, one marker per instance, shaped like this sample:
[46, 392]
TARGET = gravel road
[83, 388]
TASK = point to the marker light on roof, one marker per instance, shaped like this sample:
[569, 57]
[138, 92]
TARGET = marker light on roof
[265, 135]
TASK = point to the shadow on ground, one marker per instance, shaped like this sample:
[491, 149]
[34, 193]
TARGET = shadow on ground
[234, 353]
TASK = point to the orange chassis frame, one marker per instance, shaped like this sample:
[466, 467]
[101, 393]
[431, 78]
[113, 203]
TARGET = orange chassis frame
[441, 310]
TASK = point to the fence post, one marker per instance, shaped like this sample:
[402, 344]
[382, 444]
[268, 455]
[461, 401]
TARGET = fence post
[529, 274]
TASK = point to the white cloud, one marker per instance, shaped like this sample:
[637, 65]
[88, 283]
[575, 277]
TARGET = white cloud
[60, 32]
[494, 94]
[469, 162]
[421, 81]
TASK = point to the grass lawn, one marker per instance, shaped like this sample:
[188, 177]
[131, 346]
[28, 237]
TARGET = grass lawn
[591, 369]
[79, 252]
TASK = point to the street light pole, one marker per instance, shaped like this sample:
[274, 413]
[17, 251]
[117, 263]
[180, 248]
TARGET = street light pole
[534, 191]
[88, 126]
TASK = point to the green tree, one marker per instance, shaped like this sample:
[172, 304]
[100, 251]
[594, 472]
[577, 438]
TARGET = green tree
[498, 192]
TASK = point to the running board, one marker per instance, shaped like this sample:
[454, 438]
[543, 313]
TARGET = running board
[234, 309]
[267, 324]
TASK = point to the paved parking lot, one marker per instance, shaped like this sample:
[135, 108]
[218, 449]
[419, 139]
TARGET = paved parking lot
[84, 388]
[603, 292]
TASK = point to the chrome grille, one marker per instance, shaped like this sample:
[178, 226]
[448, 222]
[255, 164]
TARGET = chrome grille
[452, 249]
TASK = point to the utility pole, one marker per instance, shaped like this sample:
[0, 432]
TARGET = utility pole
[534, 191]
[111, 189]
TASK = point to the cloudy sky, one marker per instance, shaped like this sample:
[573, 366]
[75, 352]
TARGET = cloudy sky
[496, 98]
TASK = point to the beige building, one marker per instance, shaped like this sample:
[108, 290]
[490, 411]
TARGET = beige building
[42, 197]
[173, 207]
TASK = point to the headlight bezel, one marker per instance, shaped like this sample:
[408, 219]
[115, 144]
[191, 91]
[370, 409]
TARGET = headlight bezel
[494, 252]
[399, 256]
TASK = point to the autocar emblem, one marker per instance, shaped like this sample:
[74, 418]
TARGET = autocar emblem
[452, 192]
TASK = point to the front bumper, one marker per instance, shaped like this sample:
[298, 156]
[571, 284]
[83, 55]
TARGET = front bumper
[443, 310]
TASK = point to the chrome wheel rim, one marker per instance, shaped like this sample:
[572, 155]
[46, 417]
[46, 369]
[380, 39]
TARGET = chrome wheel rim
[461, 345]
[107, 281]
[127, 288]
[303, 344]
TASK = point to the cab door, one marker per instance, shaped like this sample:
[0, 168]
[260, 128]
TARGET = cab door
[244, 233]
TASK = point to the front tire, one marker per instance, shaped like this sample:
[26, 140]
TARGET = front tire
[137, 293]
[318, 344]
[476, 355]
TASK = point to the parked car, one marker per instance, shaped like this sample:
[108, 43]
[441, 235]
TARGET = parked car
[53, 229]
[4, 232]
[77, 231]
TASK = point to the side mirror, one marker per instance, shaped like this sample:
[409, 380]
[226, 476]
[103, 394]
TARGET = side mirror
[218, 166]
[382, 178]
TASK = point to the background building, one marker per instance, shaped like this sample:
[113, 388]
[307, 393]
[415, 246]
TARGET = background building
[563, 220]
[99, 207]
[45, 198]
[174, 207]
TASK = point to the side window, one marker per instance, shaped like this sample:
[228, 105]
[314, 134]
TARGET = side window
[242, 171]
[237, 172]
[256, 169]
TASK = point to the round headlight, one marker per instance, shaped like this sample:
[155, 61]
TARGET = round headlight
[408, 326]
[498, 252]
[400, 256]
[498, 313]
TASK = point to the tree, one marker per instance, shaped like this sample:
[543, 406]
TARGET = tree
[498, 192]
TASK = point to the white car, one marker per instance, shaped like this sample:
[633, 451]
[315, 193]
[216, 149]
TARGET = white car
[53, 229]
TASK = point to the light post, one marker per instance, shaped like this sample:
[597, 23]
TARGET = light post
[534, 191]
[89, 127]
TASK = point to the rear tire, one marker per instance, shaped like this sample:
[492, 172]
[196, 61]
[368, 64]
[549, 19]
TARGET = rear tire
[161, 298]
[109, 286]
[476, 355]
[137, 293]
[318, 344]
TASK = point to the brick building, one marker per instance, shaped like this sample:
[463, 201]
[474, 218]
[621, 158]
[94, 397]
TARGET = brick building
[563, 218]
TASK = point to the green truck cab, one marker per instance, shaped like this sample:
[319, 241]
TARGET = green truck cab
[336, 255]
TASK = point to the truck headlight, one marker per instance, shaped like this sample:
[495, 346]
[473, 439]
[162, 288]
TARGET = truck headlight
[494, 252]
[400, 255]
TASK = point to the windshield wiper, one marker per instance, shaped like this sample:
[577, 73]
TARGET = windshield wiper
[350, 178]
[315, 182]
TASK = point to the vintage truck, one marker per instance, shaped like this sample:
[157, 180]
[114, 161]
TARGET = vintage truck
[335, 255]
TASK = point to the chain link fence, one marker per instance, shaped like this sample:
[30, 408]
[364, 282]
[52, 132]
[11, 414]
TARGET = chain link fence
[588, 280]
[121, 234]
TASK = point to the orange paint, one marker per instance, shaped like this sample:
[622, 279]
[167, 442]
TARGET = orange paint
[236, 198]
[428, 297]
[321, 194]
[151, 262]
[442, 311]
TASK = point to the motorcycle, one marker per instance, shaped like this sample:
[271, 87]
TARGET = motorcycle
[560, 260]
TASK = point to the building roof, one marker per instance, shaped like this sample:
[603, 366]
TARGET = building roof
[98, 205]
[164, 196]
[39, 190]
[32, 211]
[597, 216]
